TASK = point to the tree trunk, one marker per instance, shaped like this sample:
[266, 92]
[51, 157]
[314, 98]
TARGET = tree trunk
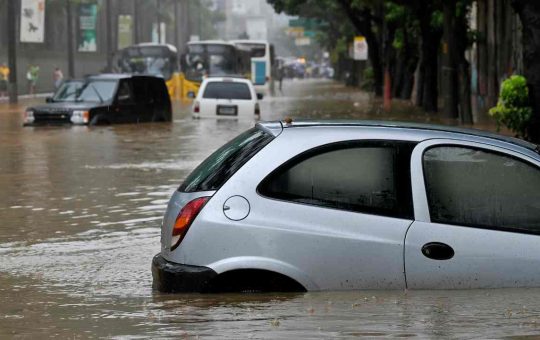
[529, 13]
[430, 53]
[465, 113]
[449, 68]
[362, 20]
[376, 62]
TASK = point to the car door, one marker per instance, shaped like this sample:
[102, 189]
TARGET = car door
[339, 213]
[477, 217]
[125, 107]
[142, 95]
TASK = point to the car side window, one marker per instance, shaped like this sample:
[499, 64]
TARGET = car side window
[479, 188]
[367, 177]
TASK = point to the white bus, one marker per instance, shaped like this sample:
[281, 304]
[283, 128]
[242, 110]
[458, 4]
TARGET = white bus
[262, 63]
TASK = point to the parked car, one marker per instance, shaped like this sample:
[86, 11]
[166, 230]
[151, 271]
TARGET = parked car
[105, 99]
[355, 205]
[226, 98]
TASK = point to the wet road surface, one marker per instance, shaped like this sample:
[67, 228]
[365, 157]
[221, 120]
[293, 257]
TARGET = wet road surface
[80, 211]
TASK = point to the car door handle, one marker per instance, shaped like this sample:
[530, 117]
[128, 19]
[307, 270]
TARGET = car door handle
[437, 251]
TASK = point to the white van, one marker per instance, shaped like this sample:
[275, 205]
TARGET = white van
[225, 97]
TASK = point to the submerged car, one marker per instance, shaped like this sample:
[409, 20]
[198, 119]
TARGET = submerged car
[105, 99]
[355, 205]
[226, 97]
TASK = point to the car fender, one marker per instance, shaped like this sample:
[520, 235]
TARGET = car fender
[263, 263]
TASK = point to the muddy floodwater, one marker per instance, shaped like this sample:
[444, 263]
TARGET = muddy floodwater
[80, 210]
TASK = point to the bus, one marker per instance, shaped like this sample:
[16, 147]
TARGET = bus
[212, 58]
[262, 63]
[153, 59]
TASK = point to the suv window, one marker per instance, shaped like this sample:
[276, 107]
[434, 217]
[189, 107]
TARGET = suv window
[368, 177]
[227, 90]
[124, 92]
[222, 164]
[479, 188]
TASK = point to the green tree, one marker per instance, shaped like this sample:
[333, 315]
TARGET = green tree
[361, 14]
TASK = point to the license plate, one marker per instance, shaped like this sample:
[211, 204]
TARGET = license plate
[227, 110]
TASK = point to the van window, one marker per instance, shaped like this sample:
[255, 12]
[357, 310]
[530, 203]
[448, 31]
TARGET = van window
[221, 165]
[227, 90]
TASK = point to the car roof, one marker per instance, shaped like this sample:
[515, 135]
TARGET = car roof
[434, 131]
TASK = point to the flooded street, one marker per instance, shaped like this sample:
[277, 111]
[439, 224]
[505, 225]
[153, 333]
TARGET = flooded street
[81, 207]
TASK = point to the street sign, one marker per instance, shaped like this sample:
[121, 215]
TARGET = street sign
[295, 32]
[304, 41]
[360, 48]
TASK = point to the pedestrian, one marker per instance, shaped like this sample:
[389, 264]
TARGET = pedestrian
[32, 76]
[280, 75]
[58, 77]
[4, 77]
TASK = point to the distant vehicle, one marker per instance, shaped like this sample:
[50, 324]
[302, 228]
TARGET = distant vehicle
[355, 205]
[105, 99]
[226, 97]
[153, 59]
[263, 63]
[211, 58]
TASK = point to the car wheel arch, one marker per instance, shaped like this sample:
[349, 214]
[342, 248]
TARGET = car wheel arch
[254, 263]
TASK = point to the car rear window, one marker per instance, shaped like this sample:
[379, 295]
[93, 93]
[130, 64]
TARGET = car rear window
[213, 172]
[227, 90]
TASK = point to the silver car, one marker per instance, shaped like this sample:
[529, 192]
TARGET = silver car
[296, 206]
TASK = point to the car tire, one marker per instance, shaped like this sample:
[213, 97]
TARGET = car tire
[99, 120]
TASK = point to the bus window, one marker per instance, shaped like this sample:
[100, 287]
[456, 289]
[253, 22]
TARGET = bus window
[154, 60]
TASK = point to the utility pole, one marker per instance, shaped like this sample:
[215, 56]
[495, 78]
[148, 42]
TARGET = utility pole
[71, 54]
[12, 52]
[109, 37]
[158, 10]
[176, 25]
[136, 21]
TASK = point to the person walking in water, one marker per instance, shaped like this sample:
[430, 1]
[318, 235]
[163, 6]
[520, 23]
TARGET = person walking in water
[32, 75]
[58, 77]
[4, 79]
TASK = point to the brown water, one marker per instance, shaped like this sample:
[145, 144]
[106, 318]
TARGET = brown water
[80, 209]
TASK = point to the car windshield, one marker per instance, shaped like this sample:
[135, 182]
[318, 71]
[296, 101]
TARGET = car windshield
[222, 164]
[227, 90]
[97, 91]
[68, 91]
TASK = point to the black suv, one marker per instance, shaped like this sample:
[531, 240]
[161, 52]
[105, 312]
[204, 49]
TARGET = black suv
[105, 99]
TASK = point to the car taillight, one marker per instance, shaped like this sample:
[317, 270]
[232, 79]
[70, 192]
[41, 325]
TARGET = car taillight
[257, 109]
[196, 107]
[184, 220]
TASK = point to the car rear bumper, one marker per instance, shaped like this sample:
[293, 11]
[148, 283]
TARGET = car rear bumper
[170, 277]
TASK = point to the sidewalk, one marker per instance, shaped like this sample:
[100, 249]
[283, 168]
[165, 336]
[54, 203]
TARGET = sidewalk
[27, 96]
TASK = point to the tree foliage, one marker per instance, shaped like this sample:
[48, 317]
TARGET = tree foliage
[513, 109]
